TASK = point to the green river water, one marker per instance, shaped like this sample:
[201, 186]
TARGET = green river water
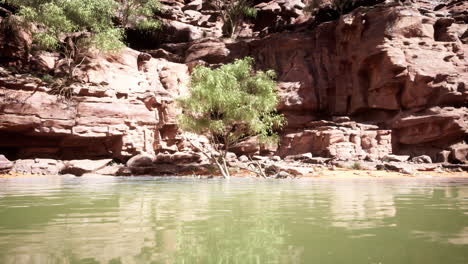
[115, 220]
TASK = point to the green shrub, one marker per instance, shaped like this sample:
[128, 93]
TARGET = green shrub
[73, 27]
[339, 5]
[233, 13]
[228, 104]
[139, 13]
[46, 78]
[356, 166]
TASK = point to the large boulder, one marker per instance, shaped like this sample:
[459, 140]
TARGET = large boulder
[80, 167]
[276, 14]
[141, 160]
[5, 164]
[422, 159]
[459, 153]
[38, 166]
[250, 146]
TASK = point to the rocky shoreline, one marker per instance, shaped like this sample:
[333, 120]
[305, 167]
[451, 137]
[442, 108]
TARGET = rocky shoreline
[383, 87]
[297, 166]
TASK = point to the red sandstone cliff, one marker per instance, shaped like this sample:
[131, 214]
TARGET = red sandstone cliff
[383, 78]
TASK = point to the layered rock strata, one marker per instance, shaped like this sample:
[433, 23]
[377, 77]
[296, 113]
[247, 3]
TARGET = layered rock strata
[387, 78]
[401, 68]
[125, 107]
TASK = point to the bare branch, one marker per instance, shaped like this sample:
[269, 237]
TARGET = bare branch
[76, 66]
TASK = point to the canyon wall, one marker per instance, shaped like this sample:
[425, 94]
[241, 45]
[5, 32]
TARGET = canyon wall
[383, 78]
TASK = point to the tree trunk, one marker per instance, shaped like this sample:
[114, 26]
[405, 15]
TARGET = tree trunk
[223, 167]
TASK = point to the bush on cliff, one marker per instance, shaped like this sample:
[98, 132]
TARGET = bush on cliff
[139, 13]
[233, 13]
[229, 104]
[73, 27]
[339, 6]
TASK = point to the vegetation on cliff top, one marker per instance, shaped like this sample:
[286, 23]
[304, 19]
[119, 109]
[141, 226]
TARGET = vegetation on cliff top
[233, 12]
[73, 27]
[228, 104]
[339, 5]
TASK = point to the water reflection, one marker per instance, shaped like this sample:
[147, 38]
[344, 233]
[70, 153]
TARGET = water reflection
[148, 220]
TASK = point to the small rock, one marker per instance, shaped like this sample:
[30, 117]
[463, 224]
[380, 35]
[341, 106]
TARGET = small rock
[282, 175]
[301, 157]
[256, 157]
[406, 170]
[112, 170]
[296, 171]
[318, 160]
[341, 119]
[243, 158]
[272, 169]
[398, 167]
[193, 5]
[371, 157]
[422, 159]
[231, 157]
[276, 158]
[397, 158]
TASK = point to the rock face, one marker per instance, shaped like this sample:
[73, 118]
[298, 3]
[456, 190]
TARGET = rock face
[389, 78]
[345, 141]
[401, 68]
[120, 111]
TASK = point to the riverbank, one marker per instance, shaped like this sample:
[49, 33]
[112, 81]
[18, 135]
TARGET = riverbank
[326, 173]
[350, 173]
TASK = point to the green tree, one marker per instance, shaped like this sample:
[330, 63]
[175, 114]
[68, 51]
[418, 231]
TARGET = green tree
[74, 26]
[233, 13]
[229, 104]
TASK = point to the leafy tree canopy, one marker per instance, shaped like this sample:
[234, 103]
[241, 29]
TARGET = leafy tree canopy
[139, 13]
[74, 26]
[230, 103]
[61, 17]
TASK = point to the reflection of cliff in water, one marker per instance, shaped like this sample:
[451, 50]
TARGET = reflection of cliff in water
[139, 220]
